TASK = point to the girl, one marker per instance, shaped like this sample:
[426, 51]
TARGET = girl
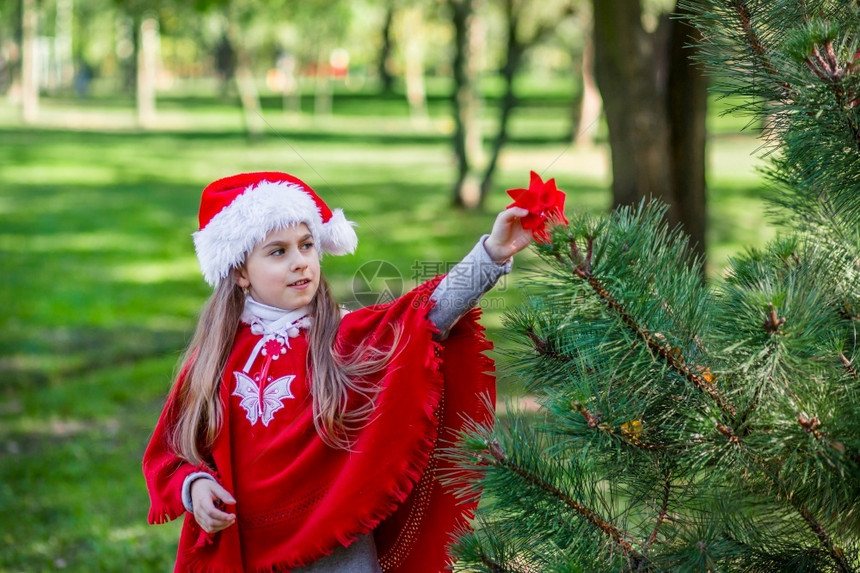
[301, 438]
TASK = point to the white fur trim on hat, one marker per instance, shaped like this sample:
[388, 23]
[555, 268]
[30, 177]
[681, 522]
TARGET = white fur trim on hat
[338, 236]
[231, 234]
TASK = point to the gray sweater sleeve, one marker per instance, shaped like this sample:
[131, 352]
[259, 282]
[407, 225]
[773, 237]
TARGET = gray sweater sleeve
[464, 286]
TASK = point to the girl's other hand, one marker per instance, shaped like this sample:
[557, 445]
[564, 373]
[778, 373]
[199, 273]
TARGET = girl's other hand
[206, 494]
[508, 236]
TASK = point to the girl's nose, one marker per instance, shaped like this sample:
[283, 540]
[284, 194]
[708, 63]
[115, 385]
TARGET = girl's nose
[297, 261]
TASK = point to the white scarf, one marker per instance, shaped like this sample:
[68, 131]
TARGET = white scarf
[272, 323]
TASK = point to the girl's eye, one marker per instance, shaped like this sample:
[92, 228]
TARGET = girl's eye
[277, 252]
[307, 246]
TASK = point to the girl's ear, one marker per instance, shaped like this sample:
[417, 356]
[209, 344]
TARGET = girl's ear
[241, 276]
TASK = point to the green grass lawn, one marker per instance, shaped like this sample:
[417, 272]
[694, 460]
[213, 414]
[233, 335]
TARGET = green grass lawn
[100, 285]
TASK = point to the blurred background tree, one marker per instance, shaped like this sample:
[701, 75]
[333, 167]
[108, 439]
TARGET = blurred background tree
[655, 98]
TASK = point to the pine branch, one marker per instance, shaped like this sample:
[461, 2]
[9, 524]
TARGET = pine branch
[772, 322]
[784, 494]
[582, 269]
[671, 312]
[741, 423]
[542, 346]
[834, 551]
[810, 426]
[625, 293]
[497, 458]
[481, 546]
[849, 367]
[498, 567]
[728, 433]
[848, 316]
[742, 9]
[664, 508]
[629, 437]
[824, 65]
[827, 68]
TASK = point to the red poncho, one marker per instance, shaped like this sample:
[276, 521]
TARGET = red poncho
[296, 498]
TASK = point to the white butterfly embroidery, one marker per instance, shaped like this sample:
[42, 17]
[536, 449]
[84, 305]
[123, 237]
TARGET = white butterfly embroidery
[262, 407]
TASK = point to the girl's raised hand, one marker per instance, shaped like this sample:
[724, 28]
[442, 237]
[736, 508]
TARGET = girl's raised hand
[508, 236]
[205, 494]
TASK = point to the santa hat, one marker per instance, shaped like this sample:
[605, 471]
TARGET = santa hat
[238, 212]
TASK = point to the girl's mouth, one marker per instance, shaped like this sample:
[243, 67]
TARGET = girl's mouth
[300, 283]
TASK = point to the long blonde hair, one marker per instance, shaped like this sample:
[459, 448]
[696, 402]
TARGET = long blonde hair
[340, 375]
[343, 400]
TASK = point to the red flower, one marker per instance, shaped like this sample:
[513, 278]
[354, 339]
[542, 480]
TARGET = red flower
[544, 202]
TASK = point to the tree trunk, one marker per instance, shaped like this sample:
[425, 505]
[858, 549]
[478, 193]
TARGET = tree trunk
[655, 105]
[687, 103]
[130, 25]
[147, 71]
[638, 131]
[29, 62]
[466, 102]
[63, 42]
[590, 105]
[13, 65]
[291, 94]
[225, 64]
[248, 95]
[513, 56]
[322, 84]
[413, 48]
[386, 80]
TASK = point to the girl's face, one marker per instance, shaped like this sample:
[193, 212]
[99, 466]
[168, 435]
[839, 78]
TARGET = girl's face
[283, 270]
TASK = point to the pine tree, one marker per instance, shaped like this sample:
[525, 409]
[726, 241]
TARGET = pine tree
[690, 426]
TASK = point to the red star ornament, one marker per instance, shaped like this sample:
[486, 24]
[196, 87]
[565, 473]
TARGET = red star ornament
[544, 202]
